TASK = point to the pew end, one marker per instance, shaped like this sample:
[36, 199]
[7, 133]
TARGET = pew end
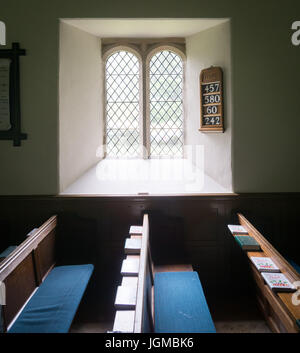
[37, 298]
[281, 315]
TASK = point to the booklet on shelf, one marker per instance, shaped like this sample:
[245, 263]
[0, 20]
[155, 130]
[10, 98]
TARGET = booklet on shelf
[237, 229]
[247, 243]
[278, 282]
[264, 264]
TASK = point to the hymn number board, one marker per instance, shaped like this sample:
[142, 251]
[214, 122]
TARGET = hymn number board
[211, 100]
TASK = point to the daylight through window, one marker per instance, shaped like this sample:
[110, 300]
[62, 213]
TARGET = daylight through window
[128, 129]
[122, 105]
[166, 105]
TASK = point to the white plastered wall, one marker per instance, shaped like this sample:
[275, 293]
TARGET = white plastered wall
[80, 103]
[207, 48]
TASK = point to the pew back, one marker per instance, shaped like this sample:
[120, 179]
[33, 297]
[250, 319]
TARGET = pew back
[143, 321]
[26, 267]
[172, 302]
[136, 291]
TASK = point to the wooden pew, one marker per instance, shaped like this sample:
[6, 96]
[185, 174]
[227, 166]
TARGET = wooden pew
[156, 300]
[10, 248]
[30, 278]
[277, 307]
[140, 281]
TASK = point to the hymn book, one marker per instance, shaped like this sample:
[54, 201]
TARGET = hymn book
[278, 282]
[237, 229]
[136, 230]
[247, 243]
[264, 264]
[133, 246]
[130, 267]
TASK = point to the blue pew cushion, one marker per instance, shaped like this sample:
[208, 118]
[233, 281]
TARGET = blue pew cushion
[180, 305]
[53, 306]
[8, 250]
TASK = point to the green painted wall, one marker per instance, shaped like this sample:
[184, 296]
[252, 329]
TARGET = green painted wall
[265, 86]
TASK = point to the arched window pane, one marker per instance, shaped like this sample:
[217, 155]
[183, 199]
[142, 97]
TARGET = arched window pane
[166, 104]
[122, 104]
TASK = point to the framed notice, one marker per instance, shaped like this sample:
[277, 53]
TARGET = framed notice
[4, 95]
[211, 100]
[10, 112]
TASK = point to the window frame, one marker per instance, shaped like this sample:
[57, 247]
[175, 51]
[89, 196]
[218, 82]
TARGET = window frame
[158, 48]
[105, 57]
[144, 50]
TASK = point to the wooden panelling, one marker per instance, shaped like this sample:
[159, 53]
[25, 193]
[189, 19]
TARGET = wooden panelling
[21, 270]
[284, 321]
[19, 286]
[45, 255]
[5, 238]
[94, 230]
[202, 225]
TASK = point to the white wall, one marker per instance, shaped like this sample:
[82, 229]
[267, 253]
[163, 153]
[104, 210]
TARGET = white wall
[80, 110]
[210, 47]
[265, 151]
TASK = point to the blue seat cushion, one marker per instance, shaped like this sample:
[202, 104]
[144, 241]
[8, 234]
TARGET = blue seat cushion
[53, 306]
[180, 305]
[8, 250]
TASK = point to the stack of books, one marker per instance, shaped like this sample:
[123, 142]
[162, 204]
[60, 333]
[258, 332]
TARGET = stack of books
[270, 272]
[245, 241]
[272, 275]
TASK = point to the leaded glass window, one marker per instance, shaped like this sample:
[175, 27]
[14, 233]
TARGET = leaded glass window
[122, 105]
[139, 114]
[166, 104]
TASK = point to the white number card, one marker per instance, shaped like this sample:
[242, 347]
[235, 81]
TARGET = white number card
[4, 95]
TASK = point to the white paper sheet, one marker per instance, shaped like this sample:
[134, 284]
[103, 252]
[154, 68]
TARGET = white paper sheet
[4, 95]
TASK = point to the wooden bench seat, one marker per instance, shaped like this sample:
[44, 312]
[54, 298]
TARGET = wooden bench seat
[180, 305]
[41, 298]
[166, 301]
[52, 307]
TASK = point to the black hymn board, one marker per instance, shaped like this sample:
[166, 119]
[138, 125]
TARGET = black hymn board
[211, 100]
